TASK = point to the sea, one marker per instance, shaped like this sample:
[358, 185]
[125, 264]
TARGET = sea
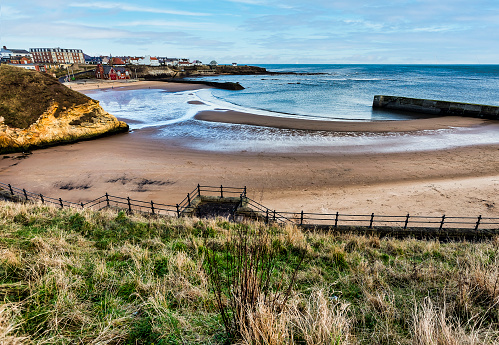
[314, 92]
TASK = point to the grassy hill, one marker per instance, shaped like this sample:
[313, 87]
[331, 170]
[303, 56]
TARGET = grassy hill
[25, 95]
[79, 276]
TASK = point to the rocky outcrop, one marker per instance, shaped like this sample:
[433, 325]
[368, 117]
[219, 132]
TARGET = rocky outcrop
[194, 71]
[37, 111]
[56, 126]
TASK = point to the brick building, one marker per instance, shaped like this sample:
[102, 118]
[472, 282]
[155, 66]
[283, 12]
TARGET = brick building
[57, 55]
[111, 72]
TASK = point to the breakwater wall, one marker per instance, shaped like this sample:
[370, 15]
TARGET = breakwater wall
[433, 107]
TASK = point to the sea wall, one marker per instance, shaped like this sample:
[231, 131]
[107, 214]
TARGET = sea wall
[442, 108]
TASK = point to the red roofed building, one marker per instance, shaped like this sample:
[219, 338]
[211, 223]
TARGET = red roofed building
[116, 61]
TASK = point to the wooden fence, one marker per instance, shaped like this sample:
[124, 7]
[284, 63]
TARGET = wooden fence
[251, 207]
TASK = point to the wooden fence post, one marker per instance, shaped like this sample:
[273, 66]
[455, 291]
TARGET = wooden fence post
[371, 222]
[11, 191]
[178, 211]
[152, 206]
[267, 217]
[199, 190]
[274, 216]
[301, 218]
[244, 190]
[336, 220]
[129, 204]
[442, 222]
[82, 206]
[189, 198]
[107, 199]
[60, 202]
[25, 194]
[406, 221]
[478, 222]
[41, 198]
[221, 191]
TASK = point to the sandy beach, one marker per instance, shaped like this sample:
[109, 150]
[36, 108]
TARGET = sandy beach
[230, 116]
[95, 84]
[461, 181]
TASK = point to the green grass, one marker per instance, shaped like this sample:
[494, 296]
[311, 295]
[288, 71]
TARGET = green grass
[78, 276]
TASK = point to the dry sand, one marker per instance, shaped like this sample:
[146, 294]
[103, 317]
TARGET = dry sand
[131, 85]
[456, 182]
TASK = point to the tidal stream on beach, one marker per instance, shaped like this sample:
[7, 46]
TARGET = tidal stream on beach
[331, 92]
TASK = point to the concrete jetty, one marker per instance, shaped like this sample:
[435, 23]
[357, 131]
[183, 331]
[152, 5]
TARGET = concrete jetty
[433, 107]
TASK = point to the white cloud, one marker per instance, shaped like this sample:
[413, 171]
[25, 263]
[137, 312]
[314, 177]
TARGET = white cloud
[132, 8]
[437, 29]
[195, 25]
[249, 2]
[10, 13]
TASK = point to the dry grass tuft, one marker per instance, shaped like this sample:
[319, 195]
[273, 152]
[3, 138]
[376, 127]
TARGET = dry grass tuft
[265, 324]
[293, 235]
[432, 326]
[8, 325]
[317, 320]
[10, 258]
[323, 320]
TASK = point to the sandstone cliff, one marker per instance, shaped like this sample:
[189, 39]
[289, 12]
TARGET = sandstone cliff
[37, 111]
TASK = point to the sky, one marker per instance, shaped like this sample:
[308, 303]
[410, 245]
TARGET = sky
[262, 32]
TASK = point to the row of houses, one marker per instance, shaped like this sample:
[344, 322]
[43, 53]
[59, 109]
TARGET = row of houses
[143, 61]
[22, 58]
[108, 67]
[66, 56]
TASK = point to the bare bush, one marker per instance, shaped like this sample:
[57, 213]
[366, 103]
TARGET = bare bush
[243, 272]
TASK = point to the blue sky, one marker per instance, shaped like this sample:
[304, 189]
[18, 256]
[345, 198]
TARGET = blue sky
[258, 31]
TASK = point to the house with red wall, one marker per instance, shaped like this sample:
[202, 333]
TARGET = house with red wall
[111, 72]
[21, 60]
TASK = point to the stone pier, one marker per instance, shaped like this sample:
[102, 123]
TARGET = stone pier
[440, 108]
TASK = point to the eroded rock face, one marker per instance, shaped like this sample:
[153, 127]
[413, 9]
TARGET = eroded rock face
[79, 122]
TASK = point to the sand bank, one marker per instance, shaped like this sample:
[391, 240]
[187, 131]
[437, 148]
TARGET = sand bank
[235, 117]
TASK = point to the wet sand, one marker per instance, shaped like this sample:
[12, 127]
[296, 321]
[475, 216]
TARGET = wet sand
[230, 116]
[457, 182]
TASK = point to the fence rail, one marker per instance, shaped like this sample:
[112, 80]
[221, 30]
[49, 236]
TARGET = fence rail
[378, 220]
[254, 209]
